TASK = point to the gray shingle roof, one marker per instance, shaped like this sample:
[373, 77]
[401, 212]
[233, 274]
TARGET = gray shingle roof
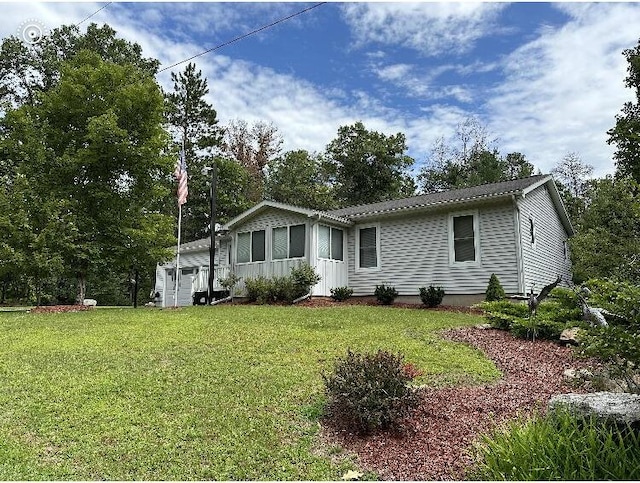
[443, 197]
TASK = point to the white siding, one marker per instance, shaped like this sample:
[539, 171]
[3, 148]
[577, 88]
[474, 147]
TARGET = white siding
[544, 261]
[414, 252]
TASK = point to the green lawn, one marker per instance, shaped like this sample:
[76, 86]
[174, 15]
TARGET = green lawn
[225, 393]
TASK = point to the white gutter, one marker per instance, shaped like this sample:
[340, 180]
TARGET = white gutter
[519, 257]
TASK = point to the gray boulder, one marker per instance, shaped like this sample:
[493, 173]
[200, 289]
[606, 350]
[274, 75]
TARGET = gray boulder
[570, 336]
[616, 407]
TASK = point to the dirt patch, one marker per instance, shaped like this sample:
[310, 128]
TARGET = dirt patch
[436, 439]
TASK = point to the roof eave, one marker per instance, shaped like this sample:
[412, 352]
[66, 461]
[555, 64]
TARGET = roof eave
[433, 205]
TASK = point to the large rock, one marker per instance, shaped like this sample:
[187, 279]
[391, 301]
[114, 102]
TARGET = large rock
[618, 407]
[570, 336]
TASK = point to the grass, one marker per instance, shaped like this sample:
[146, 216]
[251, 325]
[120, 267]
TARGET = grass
[199, 393]
[559, 446]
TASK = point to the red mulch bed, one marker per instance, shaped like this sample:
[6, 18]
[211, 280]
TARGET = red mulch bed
[435, 441]
[327, 302]
[54, 309]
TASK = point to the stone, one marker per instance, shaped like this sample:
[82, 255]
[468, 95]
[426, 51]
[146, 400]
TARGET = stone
[616, 407]
[483, 326]
[570, 336]
[90, 302]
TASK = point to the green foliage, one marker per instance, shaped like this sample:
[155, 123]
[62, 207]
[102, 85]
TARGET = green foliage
[432, 296]
[626, 132]
[503, 313]
[385, 294]
[369, 166]
[340, 294]
[370, 391]
[554, 314]
[559, 446]
[608, 244]
[494, 289]
[617, 345]
[300, 179]
[469, 159]
[282, 289]
[230, 281]
[304, 277]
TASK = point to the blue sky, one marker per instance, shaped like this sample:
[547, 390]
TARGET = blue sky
[546, 79]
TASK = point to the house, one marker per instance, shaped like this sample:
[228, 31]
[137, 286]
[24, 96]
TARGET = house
[455, 239]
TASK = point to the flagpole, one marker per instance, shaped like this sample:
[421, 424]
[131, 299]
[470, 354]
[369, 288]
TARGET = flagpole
[175, 294]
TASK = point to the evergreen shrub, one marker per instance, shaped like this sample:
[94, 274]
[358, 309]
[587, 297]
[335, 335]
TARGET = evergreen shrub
[432, 296]
[340, 294]
[494, 289]
[385, 294]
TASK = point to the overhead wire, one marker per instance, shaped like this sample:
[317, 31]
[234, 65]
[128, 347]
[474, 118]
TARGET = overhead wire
[236, 39]
[94, 13]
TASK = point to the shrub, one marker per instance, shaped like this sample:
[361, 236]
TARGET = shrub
[617, 345]
[282, 289]
[385, 294]
[370, 391]
[559, 446]
[503, 313]
[229, 282]
[537, 328]
[494, 289]
[257, 289]
[339, 294]
[431, 297]
[303, 278]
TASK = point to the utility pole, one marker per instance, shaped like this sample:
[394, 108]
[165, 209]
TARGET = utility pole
[212, 222]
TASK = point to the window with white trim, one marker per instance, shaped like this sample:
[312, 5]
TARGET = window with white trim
[251, 247]
[288, 242]
[368, 241]
[463, 238]
[330, 243]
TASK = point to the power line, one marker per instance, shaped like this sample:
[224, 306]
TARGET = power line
[94, 13]
[253, 32]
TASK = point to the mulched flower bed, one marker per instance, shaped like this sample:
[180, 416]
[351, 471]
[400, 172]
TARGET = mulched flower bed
[54, 309]
[436, 439]
[327, 302]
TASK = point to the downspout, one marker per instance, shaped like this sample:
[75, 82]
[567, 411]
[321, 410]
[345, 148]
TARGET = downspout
[519, 255]
[300, 299]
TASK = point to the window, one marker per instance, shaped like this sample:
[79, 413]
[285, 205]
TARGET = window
[251, 247]
[288, 242]
[463, 246]
[368, 247]
[532, 231]
[330, 243]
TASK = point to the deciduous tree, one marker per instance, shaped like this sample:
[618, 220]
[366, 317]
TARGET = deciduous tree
[298, 178]
[369, 166]
[626, 133]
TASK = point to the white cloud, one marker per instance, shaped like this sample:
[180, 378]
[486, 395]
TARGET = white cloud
[563, 90]
[430, 28]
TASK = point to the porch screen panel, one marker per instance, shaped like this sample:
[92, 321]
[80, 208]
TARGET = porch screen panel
[244, 247]
[296, 241]
[323, 241]
[336, 244]
[257, 246]
[368, 252]
[463, 239]
[279, 250]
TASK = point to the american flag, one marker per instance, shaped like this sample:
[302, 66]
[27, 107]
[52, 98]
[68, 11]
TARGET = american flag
[181, 175]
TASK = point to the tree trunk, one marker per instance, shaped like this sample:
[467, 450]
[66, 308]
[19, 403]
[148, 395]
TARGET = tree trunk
[82, 287]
